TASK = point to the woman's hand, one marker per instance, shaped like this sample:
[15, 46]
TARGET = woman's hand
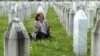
[39, 28]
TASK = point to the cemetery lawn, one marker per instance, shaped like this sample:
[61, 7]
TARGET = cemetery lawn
[3, 28]
[59, 45]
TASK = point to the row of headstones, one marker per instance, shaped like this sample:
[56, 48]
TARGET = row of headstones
[16, 42]
[67, 10]
[77, 22]
[6, 6]
[22, 10]
[25, 13]
[49, 0]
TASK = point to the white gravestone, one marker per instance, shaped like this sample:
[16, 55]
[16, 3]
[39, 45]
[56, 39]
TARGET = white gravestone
[71, 20]
[16, 39]
[0, 9]
[61, 15]
[80, 34]
[24, 12]
[20, 13]
[61, 12]
[58, 11]
[12, 14]
[95, 43]
[67, 19]
[90, 18]
[64, 17]
[28, 11]
[98, 14]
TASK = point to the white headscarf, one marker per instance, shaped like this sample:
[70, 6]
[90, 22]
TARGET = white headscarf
[41, 10]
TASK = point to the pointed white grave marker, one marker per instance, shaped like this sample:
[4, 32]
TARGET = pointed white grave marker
[80, 34]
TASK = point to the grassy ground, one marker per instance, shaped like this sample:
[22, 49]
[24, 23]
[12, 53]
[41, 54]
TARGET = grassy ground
[59, 45]
[3, 27]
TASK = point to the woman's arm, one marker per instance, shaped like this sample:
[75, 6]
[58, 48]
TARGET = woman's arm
[36, 27]
[48, 26]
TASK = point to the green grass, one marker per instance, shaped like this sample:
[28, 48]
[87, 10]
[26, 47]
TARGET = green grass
[3, 28]
[89, 43]
[59, 45]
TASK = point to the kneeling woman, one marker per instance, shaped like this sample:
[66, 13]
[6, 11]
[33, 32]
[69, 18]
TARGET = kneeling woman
[41, 28]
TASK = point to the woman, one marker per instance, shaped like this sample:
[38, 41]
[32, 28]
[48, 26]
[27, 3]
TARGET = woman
[41, 28]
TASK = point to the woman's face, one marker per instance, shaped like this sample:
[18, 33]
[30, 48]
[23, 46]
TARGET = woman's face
[40, 17]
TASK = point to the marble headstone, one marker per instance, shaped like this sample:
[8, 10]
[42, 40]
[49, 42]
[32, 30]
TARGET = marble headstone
[80, 34]
[12, 14]
[95, 43]
[71, 20]
[67, 19]
[98, 14]
[20, 12]
[16, 42]
[90, 18]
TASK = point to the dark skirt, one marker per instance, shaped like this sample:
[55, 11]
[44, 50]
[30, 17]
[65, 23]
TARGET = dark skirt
[40, 35]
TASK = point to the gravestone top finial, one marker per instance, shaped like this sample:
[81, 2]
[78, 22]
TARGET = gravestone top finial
[12, 9]
[80, 15]
[17, 20]
[80, 6]
[72, 11]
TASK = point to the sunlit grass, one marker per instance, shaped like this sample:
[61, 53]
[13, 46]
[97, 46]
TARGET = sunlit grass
[3, 28]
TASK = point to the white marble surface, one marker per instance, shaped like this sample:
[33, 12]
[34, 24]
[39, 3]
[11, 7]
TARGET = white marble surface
[12, 14]
[80, 34]
[71, 21]
[23, 9]
[95, 42]
[90, 18]
[16, 44]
